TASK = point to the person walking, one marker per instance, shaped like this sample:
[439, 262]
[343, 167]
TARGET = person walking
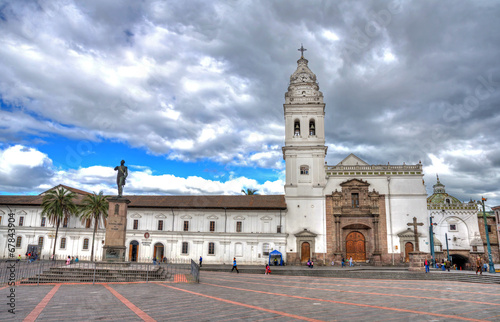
[350, 261]
[479, 265]
[426, 264]
[235, 266]
[343, 262]
[268, 269]
[201, 260]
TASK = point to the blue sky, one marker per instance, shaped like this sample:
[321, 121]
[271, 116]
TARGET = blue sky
[191, 93]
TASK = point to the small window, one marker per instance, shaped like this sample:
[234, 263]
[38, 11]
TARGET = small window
[211, 249]
[88, 222]
[278, 229]
[304, 169]
[136, 224]
[474, 249]
[21, 221]
[185, 247]
[312, 128]
[86, 244]
[265, 249]
[19, 241]
[40, 241]
[42, 224]
[448, 200]
[160, 224]
[63, 243]
[238, 226]
[489, 229]
[186, 225]
[355, 200]
[453, 227]
[212, 226]
[65, 222]
[296, 128]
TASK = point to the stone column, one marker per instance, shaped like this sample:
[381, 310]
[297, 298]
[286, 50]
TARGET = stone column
[116, 230]
[417, 261]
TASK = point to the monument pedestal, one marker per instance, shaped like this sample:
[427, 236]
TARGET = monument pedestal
[114, 248]
[417, 261]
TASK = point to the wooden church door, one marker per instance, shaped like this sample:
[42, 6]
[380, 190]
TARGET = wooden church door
[355, 246]
[408, 250]
[305, 252]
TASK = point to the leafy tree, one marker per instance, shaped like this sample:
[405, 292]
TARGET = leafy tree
[249, 191]
[56, 205]
[94, 207]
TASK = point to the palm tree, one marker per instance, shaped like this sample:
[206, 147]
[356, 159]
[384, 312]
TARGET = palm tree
[56, 205]
[94, 206]
[249, 191]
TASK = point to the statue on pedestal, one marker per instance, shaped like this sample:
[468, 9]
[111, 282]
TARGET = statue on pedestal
[121, 177]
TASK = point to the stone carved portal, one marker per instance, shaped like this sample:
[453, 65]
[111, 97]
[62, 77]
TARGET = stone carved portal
[356, 217]
[355, 246]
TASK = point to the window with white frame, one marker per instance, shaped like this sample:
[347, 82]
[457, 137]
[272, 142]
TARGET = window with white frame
[265, 249]
[86, 244]
[212, 226]
[63, 243]
[21, 221]
[19, 241]
[239, 225]
[185, 247]
[40, 241]
[453, 227]
[211, 248]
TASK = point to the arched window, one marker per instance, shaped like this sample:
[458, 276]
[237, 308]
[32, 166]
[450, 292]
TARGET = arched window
[312, 128]
[304, 169]
[296, 128]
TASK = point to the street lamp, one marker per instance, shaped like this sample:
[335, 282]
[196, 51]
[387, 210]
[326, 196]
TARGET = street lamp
[447, 248]
[492, 266]
[431, 233]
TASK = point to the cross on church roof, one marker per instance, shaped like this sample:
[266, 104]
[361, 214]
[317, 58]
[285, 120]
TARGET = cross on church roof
[301, 49]
[415, 231]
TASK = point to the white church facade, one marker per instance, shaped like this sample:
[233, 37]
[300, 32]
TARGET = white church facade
[351, 209]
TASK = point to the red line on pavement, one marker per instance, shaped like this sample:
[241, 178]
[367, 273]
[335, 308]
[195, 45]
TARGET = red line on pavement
[245, 305]
[43, 303]
[358, 292]
[354, 304]
[140, 313]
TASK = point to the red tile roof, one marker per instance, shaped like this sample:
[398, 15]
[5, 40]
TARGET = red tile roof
[263, 202]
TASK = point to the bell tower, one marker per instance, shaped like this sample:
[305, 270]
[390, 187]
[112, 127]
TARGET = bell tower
[304, 151]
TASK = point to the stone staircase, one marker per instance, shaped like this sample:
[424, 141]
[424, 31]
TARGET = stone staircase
[102, 275]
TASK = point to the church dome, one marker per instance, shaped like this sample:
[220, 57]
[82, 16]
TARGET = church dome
[303, 88]
[440, 196]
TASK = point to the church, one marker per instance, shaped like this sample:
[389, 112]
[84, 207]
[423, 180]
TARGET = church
[376, 214]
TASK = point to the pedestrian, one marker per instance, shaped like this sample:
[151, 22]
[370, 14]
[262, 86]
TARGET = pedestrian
[201, 260]
[350, 261]
[309, 263]
[447, 264]
[479, 265]
[312, 264]
[76, 259]
[19, 258]
[154, 260]
[68, 261]
[72, 260]
[268, 269]
[343, 261]
[485, 267]
[426, 264]
[235, 266]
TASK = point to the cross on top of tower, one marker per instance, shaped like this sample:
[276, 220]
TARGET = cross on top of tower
[301, 49]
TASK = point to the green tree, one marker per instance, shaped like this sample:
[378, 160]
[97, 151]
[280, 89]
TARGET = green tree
[249, 191]
[57, 204]
[94, 207]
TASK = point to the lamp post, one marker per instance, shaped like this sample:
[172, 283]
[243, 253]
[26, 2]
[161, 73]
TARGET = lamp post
[431, 233]
[492, 266]
[447, 248]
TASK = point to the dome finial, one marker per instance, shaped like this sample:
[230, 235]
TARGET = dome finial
[437, 176]
[301, 49]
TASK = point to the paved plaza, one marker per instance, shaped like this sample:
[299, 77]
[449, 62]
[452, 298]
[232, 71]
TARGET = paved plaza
[223, 296]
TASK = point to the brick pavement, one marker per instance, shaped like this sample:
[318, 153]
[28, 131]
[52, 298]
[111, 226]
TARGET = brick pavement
[224, 296]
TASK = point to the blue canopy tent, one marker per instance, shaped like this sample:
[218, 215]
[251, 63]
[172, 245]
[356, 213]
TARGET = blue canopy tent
[275, 255]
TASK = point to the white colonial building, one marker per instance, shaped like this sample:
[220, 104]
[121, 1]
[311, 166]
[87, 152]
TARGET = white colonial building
[456, 221]
[328, 211]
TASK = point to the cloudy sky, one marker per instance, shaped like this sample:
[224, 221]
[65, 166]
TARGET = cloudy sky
[191, 93]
